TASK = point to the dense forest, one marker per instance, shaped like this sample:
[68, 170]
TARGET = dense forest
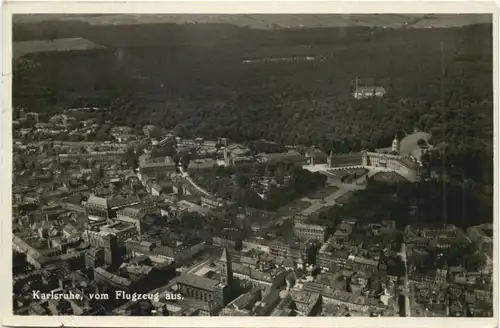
[237, 183]
[190, 79]
[458, 205]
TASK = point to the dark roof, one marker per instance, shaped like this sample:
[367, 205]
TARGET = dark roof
[197, 281]
[312, 152]
[140, 247]
[75, 199]
[130, 211]
[121, 201]
[164, 250]
[289, 156]
[94, 251]
[97, 201]
[370, 89]
[409, 163]
[202, 163]
[157, 165]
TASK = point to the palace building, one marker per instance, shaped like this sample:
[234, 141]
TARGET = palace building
[343, 160]
[403, 157]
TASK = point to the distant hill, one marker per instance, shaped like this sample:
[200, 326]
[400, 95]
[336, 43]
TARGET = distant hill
[270, 21]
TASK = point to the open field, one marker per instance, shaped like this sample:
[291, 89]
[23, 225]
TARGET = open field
[22, 48]
[345, 197]
[271, 21]
[451, 20]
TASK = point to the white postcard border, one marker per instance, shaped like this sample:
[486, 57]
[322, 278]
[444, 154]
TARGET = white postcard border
[228, 7]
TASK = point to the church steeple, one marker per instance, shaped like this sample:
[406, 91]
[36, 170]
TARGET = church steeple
[226, 269]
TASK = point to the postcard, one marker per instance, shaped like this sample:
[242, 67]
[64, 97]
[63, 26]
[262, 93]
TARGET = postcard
[321, 164]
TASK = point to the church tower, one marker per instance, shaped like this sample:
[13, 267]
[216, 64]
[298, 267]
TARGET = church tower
[111, 251]
[395, 145]
[226, 269]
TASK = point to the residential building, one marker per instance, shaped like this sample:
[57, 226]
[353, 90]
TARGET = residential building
[94, 257]
[228, 238]
[305, 303]
[304, 232]
[121, 230]
[156, 167]
[174, 252]
[301, 253]
[201, 165]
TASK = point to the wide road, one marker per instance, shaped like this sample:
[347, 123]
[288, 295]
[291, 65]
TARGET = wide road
[328, 200]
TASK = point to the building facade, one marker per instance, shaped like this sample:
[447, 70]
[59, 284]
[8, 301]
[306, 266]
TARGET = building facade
[368, 92]
[160, 167]
[402, 165]
[97, 208]
[226, 269]
[202, 289]
[304, 232]
[405, 163]
[344, 160]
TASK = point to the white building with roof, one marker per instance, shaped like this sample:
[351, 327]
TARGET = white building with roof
[363, 92]
[97, 208]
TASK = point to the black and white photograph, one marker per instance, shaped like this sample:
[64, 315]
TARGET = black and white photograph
[245, 165]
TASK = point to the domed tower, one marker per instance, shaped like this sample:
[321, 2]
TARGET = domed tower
[395, 145]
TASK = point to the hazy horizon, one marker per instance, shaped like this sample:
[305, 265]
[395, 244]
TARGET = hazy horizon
[267, 21]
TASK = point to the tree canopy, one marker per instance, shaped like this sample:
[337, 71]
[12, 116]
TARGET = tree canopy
[437, 80]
